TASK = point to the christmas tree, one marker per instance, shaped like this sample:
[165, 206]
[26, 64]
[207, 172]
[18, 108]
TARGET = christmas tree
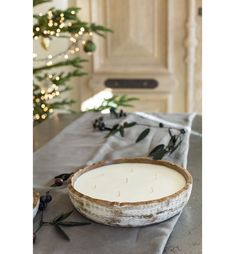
[50, 85]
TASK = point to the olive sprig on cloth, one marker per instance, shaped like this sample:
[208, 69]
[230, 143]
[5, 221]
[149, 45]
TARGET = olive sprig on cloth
[58, 222]
[157, 152]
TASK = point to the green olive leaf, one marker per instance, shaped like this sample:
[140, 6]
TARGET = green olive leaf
[172, 142]
[142, 135]
[158, 152]
[61, 232]
[170, 132]
[63, 216]
[73, 223]
[131, 124]
[121, 130]
[113, 130]
[176, 146]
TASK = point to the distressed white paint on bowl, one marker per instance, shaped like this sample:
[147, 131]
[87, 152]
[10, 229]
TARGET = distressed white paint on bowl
[36, 201]
[130, 192]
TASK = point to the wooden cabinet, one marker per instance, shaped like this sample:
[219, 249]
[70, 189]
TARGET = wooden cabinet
[152, 39]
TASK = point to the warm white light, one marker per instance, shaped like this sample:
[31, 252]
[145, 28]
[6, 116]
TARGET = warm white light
[55, 24]
[49, 63]
[43, 106]
[82, 29]
[80, 33]
[45, 31]
[34, 55]
[76, 35]
[61, 14]
[69, 24]
[42, 91]
[61, 25]
[49, 56]
[55, 87]
[57, 34]
[83, 42]
[40, 14]
[50, 76]
[90, 33]
[57, 78]
[66, 56]
[37, 29]
[73, 12]
[37, 116]
[52, 32]
[49, 14]
[35, 37]
[50, 110]
[58, 30]
[76, 49]
[72, 39]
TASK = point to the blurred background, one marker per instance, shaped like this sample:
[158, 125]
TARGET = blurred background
[153, 53]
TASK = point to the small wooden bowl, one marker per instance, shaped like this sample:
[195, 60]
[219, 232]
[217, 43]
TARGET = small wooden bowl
[130, 214]
[36, 201]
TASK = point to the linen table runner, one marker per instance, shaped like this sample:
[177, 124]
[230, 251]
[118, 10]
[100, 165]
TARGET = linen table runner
[77, 145]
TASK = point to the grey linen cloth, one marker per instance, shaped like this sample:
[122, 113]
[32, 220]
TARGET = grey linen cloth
[77, 145]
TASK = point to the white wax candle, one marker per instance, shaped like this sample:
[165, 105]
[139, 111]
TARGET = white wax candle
[130, 182]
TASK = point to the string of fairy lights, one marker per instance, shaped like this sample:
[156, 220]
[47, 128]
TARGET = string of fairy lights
[75, 39]
[43, 96]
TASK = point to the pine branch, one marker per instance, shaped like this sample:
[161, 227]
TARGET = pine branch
[72, 62]
[56, 23]
[76, 24]
[62, 77]
[37, 2]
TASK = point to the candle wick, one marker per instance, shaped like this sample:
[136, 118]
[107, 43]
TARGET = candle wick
[126, 180]
[156, 177]
[95, 186]
[119, 194]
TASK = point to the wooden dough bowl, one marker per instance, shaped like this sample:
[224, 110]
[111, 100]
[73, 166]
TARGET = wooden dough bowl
[130, 214]
[36, 201]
